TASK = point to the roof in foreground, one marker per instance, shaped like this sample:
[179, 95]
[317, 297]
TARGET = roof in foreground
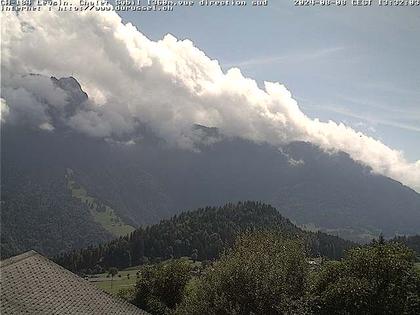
[32, 284]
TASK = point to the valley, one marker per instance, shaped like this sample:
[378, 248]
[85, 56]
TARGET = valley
[139, 185]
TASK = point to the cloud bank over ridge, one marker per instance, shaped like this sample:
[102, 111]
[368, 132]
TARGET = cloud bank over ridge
[168, 85]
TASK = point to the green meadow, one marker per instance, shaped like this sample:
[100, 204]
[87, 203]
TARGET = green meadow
[124, 280]
[102, 214]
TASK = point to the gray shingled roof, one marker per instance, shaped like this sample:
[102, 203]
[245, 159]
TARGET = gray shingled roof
[32, 284]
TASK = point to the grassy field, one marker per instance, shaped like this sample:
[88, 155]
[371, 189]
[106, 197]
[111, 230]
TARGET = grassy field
[361, 234]
[418, 266]
[125, 279]
[102, 214]
[121, 281]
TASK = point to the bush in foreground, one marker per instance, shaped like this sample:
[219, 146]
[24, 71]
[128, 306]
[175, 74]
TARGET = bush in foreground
[375, 279]
[160, 287]
[262, 274]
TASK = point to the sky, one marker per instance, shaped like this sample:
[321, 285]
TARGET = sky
[357, 65]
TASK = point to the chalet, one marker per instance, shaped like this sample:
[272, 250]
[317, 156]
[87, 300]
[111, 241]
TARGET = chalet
[33, 284]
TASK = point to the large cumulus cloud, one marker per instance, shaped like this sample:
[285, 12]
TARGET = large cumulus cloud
[168, 85]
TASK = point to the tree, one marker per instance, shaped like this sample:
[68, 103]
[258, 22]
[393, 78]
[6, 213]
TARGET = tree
[126, 294]
[375, 279]
[112, 272]
[160, 287]
[263, 274]
[194, 255]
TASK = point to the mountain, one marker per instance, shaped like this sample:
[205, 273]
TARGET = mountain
[37, 210]
[202, 234]
[63, 190]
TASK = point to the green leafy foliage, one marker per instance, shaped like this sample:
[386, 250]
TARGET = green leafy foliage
[266, 273]
[263, 274]
[412, 242]
[375, 279]
[160, 287]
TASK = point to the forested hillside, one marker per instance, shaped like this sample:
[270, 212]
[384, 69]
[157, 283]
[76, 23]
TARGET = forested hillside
[202, 234]
[412, 242]
[41, 211]
[38, 212]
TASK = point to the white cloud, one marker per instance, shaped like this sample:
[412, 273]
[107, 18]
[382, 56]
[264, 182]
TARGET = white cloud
[46, 126]
[4, 112]
[169, 85]
[395, 121]
[26, 98]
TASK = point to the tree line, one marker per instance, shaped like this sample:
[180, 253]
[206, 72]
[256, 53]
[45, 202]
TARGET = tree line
[202, 234]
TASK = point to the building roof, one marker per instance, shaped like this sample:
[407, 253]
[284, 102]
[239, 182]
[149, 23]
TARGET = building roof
[32, 284]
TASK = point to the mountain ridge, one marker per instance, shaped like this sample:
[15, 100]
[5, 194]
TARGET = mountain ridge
[146, 180]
